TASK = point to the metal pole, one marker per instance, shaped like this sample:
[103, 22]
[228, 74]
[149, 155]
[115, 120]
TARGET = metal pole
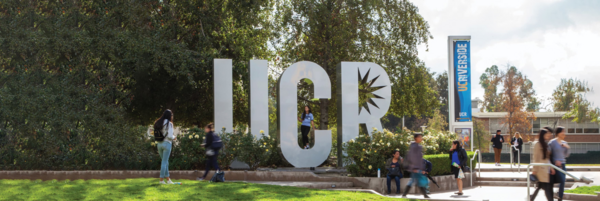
[519, 152]
[479, 162]
[402, 122]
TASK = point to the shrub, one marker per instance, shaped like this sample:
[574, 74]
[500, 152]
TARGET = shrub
[366, 154]
[440, 163]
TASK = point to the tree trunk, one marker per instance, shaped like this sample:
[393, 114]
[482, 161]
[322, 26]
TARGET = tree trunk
[324, 122]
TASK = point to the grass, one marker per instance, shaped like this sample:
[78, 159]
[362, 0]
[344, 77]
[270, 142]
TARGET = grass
[588, 190]
[149, 189]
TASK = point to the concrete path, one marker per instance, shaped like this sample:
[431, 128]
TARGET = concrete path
[486, 193]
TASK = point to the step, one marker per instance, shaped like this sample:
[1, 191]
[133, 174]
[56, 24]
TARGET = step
[513, 183]
[510, 179]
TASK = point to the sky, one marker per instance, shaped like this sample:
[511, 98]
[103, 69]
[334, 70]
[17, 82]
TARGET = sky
[545, 39]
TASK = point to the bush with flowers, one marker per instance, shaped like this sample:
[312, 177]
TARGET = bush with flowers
[365, 154]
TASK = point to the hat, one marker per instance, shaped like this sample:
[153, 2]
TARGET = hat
[498, 131]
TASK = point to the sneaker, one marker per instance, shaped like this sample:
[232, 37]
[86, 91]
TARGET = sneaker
[199, 178]
[170, 182]
[162, 182]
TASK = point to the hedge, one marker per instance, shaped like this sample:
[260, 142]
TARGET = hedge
[441, 163]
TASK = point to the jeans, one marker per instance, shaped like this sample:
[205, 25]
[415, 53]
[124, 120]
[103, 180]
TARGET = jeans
[562, 178]
[515, 156]
[305, 130]
[164, 151]
[389, 183]
[212, 161]
[416, 178]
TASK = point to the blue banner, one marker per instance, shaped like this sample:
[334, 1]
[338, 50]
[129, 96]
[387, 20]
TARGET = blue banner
[462, 81]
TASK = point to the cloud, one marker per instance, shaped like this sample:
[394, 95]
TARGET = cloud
[546, 40]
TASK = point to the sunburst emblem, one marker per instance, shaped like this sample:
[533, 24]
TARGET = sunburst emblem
[366, 92]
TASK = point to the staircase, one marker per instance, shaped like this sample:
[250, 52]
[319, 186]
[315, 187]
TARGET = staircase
[511, 181]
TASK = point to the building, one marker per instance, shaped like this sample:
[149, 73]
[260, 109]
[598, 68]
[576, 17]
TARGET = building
[582, 137]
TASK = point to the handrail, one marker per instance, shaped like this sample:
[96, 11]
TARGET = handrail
[583, 179]
[511, 157]
[478, 163]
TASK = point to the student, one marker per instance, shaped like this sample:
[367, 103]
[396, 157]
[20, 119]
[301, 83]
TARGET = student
[517, 140]
[497, 144]
[541, 154]
[213, 144]
[307, 120]
[560, 151]
[164, 124]
[394, 171]
[459, 156]
[416, 167]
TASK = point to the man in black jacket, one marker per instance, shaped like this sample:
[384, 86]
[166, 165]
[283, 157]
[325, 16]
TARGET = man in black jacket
[497, 141]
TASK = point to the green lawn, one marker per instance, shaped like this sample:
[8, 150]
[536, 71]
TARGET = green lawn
[149, 189]
[590, 190]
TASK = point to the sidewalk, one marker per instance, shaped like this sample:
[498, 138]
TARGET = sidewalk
[486, 193]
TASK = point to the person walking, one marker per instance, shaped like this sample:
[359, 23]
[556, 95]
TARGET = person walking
[497, 144]
[164, 125]
[416, 166]
[394, 171]
[518, 142]
[560, 151]
[459, 156]
[213, 144]
[541, 154]
[307, 120]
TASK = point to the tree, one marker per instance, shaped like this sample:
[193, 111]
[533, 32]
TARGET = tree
[517, 88]
[438, 121]
[489, 82]
[440, 85]
[384, 32]
[480, 136]
[567, 92]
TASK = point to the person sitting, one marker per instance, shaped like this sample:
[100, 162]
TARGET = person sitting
[394, 171]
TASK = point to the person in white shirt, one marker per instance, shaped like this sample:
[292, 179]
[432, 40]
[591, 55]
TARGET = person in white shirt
[164, 124]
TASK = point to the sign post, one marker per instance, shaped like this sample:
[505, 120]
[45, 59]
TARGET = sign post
[459, 89]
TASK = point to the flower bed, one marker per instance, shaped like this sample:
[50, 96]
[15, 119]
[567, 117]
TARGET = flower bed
[366, 154]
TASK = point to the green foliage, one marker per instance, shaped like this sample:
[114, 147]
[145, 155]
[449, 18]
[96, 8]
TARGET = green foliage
[367, 153]
[187, 153]
[438, 121]
[567, 92]
[149, 189]
[329, 32]
[440, 163]
[570, 96]
[480, 136]
[586, 190]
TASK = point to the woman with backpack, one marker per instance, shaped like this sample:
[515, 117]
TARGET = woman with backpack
[458, 156]
[164, 136]
[213, 145]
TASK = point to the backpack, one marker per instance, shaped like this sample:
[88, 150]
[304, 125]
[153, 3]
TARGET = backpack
[158, 135]
[216, 144]
[218, 177]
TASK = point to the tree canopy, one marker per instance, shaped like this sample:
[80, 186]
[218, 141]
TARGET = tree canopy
[384, 32]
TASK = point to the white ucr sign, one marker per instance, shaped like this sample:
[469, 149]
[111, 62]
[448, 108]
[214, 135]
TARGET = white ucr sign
[349, 76]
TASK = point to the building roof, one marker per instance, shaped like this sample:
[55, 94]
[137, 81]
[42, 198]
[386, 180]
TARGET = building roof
[503, 114]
